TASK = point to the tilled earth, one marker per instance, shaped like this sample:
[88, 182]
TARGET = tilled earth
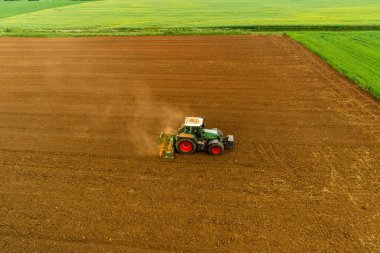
[78, 122]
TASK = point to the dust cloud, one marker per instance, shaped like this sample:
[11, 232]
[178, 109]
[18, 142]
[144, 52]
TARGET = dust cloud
[133, 111]
[150, 116]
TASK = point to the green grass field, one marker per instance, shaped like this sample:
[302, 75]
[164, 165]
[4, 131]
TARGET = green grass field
[354, 54]
[13, 8]
[118, 16]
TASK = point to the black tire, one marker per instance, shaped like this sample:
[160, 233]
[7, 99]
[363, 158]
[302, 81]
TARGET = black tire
[216, 149]
[185, 146]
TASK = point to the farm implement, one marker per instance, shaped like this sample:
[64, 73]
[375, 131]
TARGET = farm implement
[191, 137]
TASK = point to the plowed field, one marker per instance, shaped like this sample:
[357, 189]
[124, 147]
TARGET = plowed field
[78, 119]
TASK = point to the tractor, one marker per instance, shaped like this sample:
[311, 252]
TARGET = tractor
[191, 137]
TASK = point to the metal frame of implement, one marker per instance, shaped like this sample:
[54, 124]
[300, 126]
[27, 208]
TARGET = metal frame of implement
[166, 145]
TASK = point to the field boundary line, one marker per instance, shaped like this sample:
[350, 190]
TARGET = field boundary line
[324, 65]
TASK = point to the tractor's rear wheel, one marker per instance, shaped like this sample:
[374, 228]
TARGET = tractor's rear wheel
[216, 148]
[186, 146]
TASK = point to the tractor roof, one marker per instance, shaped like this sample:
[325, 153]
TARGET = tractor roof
[193, 121]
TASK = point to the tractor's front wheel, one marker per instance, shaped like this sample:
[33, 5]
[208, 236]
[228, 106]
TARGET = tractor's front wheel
[186, 146]
[216, 149]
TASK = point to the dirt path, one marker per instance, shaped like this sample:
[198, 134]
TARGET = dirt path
[77, 117]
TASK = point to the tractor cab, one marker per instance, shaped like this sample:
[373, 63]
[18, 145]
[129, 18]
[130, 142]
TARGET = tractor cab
[193, 126]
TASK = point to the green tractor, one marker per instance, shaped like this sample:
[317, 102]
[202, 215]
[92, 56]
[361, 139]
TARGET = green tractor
[191, 137]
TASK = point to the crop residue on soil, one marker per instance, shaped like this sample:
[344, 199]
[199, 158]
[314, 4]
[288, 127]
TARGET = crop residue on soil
[78, 115]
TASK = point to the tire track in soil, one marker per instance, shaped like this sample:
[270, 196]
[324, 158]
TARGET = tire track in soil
[303, 175]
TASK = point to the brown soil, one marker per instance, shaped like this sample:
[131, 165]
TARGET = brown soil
[78, 118]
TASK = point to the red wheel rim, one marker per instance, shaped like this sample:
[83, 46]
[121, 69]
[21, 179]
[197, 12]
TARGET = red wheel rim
[186, 146]
[216, 150]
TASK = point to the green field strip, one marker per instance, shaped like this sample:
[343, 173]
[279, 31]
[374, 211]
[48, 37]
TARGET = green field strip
[354, 54]
[148, 14]
[13, 8]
